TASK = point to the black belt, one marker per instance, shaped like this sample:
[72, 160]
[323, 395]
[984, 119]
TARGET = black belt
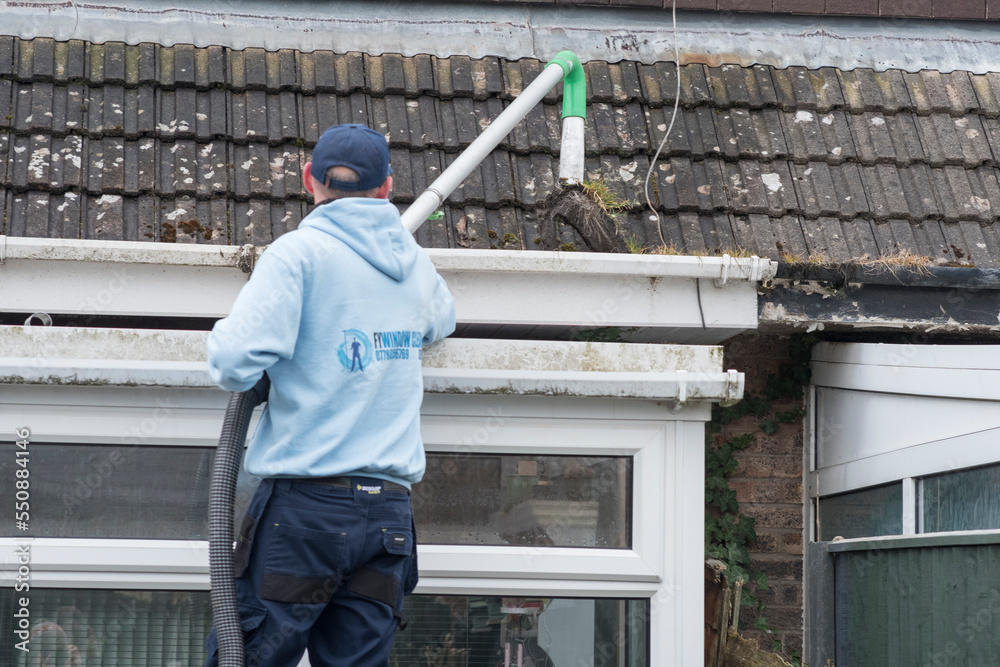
[345, 482]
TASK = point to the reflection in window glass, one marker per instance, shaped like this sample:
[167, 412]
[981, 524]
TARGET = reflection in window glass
[506, 632]
[965, 500]
[100, 628]
[564, 501]
[109, 491]
[868, 513]
[109, 628]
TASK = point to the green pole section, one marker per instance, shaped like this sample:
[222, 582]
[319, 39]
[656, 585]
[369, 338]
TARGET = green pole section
[574, 84]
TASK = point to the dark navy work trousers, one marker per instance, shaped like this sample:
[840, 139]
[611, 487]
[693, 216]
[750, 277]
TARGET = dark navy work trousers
[325, 568]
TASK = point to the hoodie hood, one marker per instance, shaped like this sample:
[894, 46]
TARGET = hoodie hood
[372, 229]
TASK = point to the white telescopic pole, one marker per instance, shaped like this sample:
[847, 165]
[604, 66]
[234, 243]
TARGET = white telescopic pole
[477, 151]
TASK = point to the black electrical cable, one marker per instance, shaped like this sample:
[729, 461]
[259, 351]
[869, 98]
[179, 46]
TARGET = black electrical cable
[221, 497]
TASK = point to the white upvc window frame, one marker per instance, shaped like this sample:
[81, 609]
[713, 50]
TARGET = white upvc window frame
[665, 441]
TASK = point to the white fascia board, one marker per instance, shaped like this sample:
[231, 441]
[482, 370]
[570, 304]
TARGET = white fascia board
[496, 287]
[961, 357]
[118, 357]
[974, 384]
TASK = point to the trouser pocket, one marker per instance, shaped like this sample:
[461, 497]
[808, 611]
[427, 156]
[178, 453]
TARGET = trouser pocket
[304, 566]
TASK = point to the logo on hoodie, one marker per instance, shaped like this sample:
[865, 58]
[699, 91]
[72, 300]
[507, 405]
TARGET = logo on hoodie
[355, 352]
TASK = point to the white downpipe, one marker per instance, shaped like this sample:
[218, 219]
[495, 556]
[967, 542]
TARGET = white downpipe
[452, 177]
[571, 151]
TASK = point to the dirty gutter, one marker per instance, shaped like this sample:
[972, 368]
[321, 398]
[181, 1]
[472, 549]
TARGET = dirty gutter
[144, 358]
[673, 299]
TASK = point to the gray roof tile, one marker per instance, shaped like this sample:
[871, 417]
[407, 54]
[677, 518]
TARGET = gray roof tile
[927, 95]
[282, 74]
[804, 136]
[692, 238]
[658, 83]
[487, 79]
[255, 65]
[394, 80]
[104, 217]
[318, 72]
[919, 194]
[251, 222]
[850, 190]
[185, 72]
[7, 108]
[779, 186]
[70, 61]
[747, 192]
[625, 82]
[872, 139]
[210, 67]
[461, 76]
[350, 72]
[114, 64]
[817, 194]
[837, 135]
[695, 89]
[418, 73]
[825, 239]
[991, 236]
[140, 65]
[36, 212]
[789, 237]
[37, 60]
[8, 47]
[987, 87]
[905, 138]
[884, 191]
[599, 85]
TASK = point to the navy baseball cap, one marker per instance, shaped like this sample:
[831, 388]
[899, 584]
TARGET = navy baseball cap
[355, 146]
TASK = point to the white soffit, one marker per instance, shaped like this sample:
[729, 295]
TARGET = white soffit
[138, 357]
[657, 298]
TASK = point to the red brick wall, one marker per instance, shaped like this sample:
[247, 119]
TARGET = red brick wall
[768, 485]
[944, 9]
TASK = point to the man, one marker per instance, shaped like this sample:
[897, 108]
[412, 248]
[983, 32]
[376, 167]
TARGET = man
[336, 312]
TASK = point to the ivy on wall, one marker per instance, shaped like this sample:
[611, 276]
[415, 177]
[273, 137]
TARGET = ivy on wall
[730, 535]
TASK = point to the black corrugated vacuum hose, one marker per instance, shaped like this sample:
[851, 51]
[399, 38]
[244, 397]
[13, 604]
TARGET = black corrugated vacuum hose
[222, 494]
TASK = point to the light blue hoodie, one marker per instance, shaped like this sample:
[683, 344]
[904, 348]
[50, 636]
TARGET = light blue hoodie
[336, 312]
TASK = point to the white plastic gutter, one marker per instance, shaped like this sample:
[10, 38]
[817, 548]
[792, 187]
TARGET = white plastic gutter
[725, 268]
[149, 358]
[501, 293]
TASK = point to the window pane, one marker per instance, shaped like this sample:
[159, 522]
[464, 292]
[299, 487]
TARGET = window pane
[168, 629]
[117, 491]
[492, 631]
[966, 500]
[563, 501]
[876, 511]
[109, 628]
